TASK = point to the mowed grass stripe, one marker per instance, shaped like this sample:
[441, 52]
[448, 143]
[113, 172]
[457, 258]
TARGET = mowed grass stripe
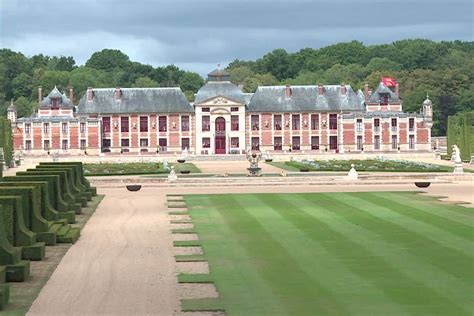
[397, 229]
[452, 212]
[295, 294]
[447, 242]
[239, 283]
[399, 204]
[399, 287]
[415, 266]
[354, 292]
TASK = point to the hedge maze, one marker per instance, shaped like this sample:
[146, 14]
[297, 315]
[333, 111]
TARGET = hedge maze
[37, 208]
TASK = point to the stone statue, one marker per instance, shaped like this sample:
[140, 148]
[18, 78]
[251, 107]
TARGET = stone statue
[352, 175]
[456, 158]
[253, 158]
[172, 177]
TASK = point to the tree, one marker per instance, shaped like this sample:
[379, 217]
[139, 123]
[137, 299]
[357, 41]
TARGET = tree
[276, 63]
[191, 81]
[382, 64]
[83, 77]
[22, 85]
[251, 84]
[240, 74]
[50, 79]
[108, 59]
[62, 63]
[145, 82]
[24, 107]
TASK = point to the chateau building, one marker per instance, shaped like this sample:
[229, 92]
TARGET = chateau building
[223, 120]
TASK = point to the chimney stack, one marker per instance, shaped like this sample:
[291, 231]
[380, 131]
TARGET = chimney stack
[118, 94]
[71, 96]
[40, 94]
[366, 90]
[343, 88]
[396, 89]
[288, 91]
[90, 94]
[241, 86]
[320, 89]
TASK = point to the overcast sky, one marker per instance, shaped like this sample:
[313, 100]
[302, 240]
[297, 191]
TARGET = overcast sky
[196, 35]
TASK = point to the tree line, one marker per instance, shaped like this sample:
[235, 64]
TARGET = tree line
[444, 70]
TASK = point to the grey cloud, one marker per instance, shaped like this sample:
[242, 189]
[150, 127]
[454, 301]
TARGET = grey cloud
[196, 34]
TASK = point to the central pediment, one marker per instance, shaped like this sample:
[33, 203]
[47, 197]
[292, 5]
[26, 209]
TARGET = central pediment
[220, 101]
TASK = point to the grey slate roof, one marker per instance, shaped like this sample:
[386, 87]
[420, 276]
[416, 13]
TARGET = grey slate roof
[218, 74]
[136, 100]
[305, 98]
[374, 97]
[55, 94]
[219, 88]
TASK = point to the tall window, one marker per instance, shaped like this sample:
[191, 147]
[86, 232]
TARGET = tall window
[383, 98]
[394, 142]
[295, 122]
[377, 142]
[82, 128]
[143, 142]
[64, 128]
[359, 126]
[376, 125]
[206, 123]
[314, 121]
[106, 124]
[206, 142]
[28, 145]
[277, 122]
[46, 128]
[277, 143]
[411, 124]
[295, 145]
[359, 143]
[64, 144]
[185, 143]
[394, 124]
[143, 123]
[333, 121]
[163, 143]
[46, 144]
[125, 142]
[254, 122]
[55, 104]
[234, 123]
[185, 123]
[411, 141]
[234, 142]
[82, 144]
[255, 143]
[27, 128]
[333, 142]
[124, 124]
[105, 143]
[314, 142]
[162, 124]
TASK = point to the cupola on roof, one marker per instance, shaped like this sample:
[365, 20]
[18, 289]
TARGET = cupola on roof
[218, 74]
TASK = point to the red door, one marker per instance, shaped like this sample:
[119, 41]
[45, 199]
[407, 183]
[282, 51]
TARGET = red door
[220, 135]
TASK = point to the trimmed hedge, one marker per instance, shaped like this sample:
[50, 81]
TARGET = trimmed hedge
[18, 233]
[6, 140]
[54, 190]
[461, 133]
[82, 177]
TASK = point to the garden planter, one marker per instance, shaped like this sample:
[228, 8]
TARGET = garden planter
[181, 160]
[185, 171]
[134, 187]
[422, 184]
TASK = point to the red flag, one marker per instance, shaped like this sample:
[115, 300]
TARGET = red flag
[388, 82]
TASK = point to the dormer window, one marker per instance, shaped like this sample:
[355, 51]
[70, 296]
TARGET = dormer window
[55, 103]
[383, 98]
[118, 94]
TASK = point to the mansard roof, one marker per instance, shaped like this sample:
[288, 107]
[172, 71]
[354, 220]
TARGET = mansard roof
[136, 100]
[219, 88]
[375, 96]
[305, 98]
[55, 94]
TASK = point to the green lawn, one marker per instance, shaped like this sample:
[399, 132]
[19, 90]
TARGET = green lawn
[381, 253]
[372, 165]
[117, 169]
